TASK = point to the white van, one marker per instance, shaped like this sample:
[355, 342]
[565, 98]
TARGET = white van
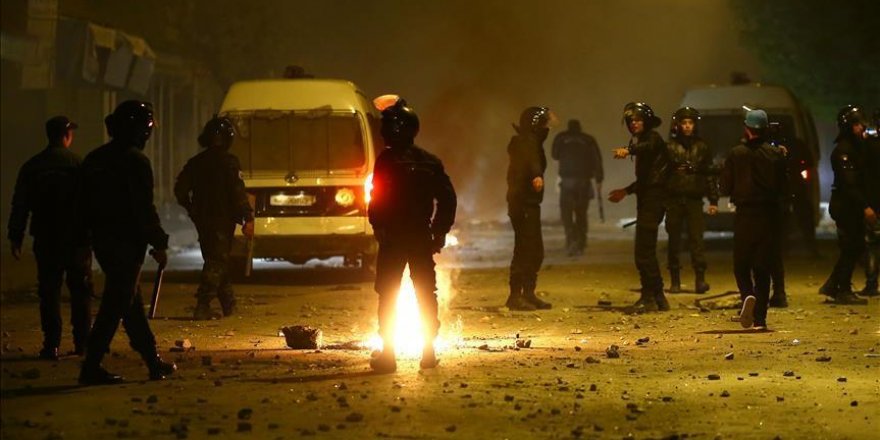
[307, 149]
[722, 110]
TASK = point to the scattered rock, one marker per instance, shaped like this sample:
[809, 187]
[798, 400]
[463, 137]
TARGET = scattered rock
[714, 377]
[524, 343]
[153, 399]
[244, 427]
[245, 414]
[323, 428]
[854, 403]
[302, 337]
[788, 373]
[591, 360]
[214, 431]
[508, 398]
[823, 358]
[451, 428]
[780, 399]
[577, 348]
[354, 417]
[643, 341]
[728, 357]
[182, 345]
[725, 393]
[593, 387]
[613, 352]
[841, 379]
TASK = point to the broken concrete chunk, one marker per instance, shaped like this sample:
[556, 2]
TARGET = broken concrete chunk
[302, 337]
[613, 352]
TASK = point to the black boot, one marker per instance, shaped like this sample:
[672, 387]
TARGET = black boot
[384, 362]
[518, 302]
[870, 286]
[158, 368]
[228, 305]
[674, 281]
[830, 287]
[662, 302]
[849, 298]
[700, 284]
[97, 375]
[429, 358]
[778, 301]
[202, 312]
[538, 302]
[646, 303]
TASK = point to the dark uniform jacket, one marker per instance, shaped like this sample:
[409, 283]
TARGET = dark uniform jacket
[118, 198]
[47, 190]
[527, 161]
[578, 156]
[211, 189]
[872, 181]
[754, 174]
[850, 176]
[652, 162]
[691, 173]
[406, 183]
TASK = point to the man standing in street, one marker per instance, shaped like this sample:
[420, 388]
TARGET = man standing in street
[407, 182]
[48, 190]
[850, 205]
[652, 172]
[754, 178]
[525, 192]
[211, 189]
[690, 181]
[120, 214]
[579, 162]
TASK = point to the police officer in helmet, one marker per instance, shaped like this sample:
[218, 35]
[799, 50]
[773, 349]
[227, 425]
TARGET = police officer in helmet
[407, 182]
[872, 237]
[652, 172]
[850, 205]
[120, 214]
[211, 189]
[691, 179]
[525, 192]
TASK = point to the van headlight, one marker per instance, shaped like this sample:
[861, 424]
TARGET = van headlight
[345, 197]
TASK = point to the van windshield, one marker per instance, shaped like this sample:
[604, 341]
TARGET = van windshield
[723, 132]
[286, 141]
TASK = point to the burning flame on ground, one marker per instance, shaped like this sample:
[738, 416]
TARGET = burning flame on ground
[408, 331]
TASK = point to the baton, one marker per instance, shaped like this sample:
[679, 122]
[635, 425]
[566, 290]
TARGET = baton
[601, 203]
[249, 258]
[157, 287]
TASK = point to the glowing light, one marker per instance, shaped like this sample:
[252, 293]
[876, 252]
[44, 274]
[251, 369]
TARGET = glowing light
[805, 174]
[345, 197]
[368, 188]
[451, 240]
[409, 334]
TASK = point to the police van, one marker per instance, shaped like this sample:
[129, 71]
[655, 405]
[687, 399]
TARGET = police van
[722, 110]
[307, 148]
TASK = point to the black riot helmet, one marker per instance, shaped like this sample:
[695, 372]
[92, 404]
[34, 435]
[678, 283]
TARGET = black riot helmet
[219, 131]
[400, 124]
[640, 110]
[132, 122]
[849, 116]
[535, 120]
[682, 114]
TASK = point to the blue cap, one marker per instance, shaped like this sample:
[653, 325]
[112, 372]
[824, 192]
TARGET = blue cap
[756, 119]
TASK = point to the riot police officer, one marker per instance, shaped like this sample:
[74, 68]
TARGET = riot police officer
[211, 189]
[849, 206]
[407, 181]
[120, 214]
[579, 163]
[689, 182]
[652, 172]
[47, 190]
[872, 236]
[525, 192]
[754, 178]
